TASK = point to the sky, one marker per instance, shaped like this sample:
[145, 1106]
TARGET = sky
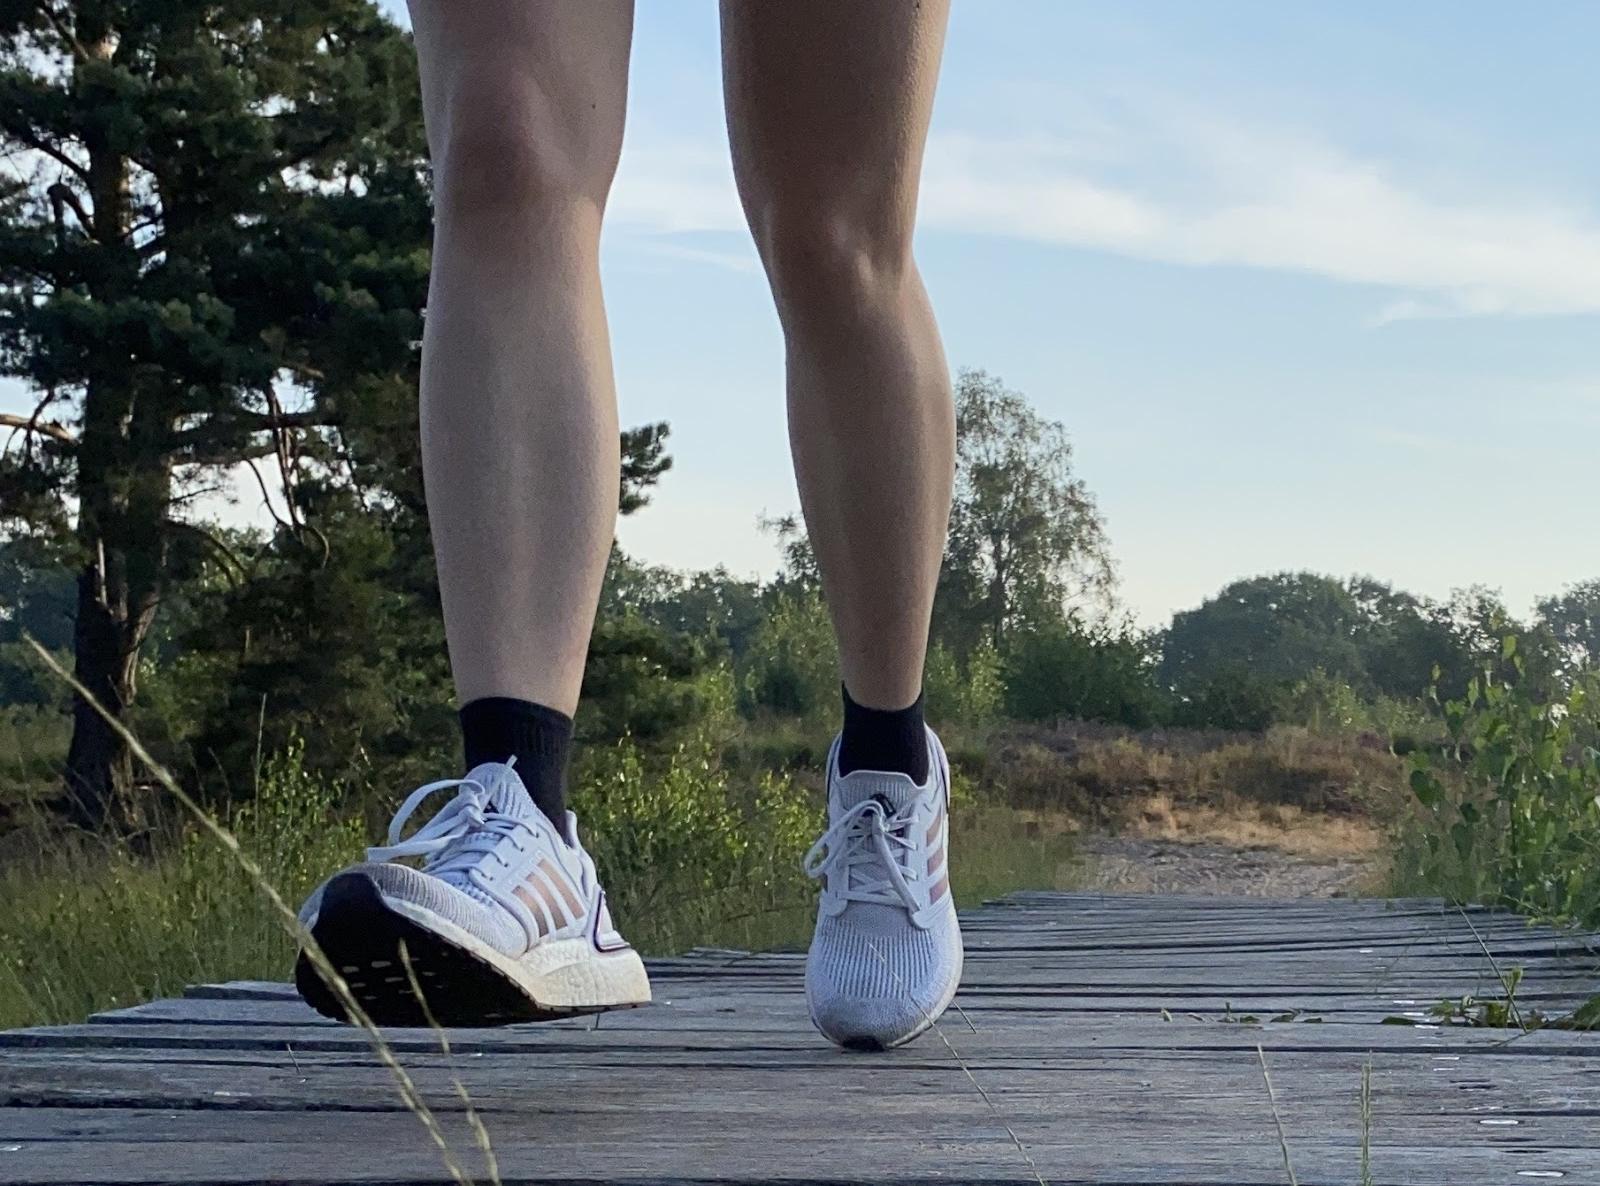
[1310, 286]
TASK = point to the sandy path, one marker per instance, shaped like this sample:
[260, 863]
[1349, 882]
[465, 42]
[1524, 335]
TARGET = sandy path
[1133, 865]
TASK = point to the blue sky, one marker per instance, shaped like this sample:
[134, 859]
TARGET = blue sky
[1310, 286]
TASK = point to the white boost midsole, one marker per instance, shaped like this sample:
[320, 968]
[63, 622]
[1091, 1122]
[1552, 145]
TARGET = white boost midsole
[559, 973]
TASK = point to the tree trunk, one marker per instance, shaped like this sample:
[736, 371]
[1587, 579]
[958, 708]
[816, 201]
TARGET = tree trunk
[124, 488]
[997, 594]
[99, 773]
[124, 493]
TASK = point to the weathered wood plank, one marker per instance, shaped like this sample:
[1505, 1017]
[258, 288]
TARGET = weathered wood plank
[1245, 1154]
[724, 1081]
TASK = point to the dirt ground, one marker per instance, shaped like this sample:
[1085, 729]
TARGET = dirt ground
[1274, 852]
[1128, 864]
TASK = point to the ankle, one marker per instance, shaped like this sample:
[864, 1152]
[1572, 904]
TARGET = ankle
[500, 728]
[884, 739]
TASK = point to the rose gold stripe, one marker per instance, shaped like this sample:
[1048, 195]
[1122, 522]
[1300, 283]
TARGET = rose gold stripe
[939, 890]
[536, 906]
[558, 916]
[936, 862]
[563, 887]
[938, 822]
[539, 895]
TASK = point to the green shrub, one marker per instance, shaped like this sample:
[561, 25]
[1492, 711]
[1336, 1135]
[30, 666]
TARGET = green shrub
[965, 694]
[1510, 808]
[33, 747]
[650, 683]
[1234, 700]
[687, 852]
[1091, 673]
[91, 926]
[1322, 703]
[792, 664]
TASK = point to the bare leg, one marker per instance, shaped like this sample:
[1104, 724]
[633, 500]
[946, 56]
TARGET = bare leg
[828, 107]
[524, 104]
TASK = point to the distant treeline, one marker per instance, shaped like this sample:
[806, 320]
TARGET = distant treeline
[241, 292]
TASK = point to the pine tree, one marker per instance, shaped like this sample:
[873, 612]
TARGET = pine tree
[213, 251]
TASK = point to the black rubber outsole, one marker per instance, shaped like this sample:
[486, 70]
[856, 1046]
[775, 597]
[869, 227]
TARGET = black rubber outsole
[362, 937]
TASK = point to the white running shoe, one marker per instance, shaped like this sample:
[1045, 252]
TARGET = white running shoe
[505, 921]
[886, 956]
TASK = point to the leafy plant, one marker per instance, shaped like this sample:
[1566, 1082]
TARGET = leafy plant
[1511, 805]
[88, 927]
[968, 694]
[1073, 669]
[684, 846]
[792, 665]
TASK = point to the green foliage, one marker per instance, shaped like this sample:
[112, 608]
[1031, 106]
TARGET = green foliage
[1089, 672]
[792, 664]
[33, 740]
[1280, 629]
[799, 570]
[968, 694]
[37, 596]
[340, 648]
[219, 254]
[1273, 627]
[652, 684]
[1233, 697]
[1510, 809]
[90, 927]
[710, 603]
[1323, 704]
[684, 846]
[1572, 620]
[1026, 537]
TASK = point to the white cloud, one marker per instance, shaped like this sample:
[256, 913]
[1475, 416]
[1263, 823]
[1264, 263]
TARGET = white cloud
[733, 261]
[1189, 191]
[674, 187]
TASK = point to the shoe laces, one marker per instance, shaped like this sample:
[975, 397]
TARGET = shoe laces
[862, 855]
[453, 840]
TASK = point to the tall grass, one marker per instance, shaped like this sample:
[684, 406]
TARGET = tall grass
[93, 924]
[691, 852]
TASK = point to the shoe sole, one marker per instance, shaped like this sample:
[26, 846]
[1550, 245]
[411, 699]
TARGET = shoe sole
[464, 981]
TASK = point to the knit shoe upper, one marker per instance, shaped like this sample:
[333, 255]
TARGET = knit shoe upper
[492, 864]
[504, 921]
[886, 955]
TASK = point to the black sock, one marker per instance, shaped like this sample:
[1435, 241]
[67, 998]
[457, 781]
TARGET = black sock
[498, 728]
[884, 739]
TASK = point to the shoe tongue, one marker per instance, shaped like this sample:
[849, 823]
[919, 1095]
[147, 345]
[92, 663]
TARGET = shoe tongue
[507, 795]
[895, 790]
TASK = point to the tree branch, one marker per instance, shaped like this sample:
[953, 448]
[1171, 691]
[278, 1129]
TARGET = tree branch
[215, 544]
[266, 497]
[217, 427]
[63, 32]
[219, 455]
[50, 428]
[29, 140]
[61, 194]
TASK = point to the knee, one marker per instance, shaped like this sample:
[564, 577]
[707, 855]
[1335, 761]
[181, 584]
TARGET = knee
[821, 258]
[502, 155]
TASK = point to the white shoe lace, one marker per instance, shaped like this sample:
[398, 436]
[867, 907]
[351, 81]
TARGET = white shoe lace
[446, 842]
[861, 856]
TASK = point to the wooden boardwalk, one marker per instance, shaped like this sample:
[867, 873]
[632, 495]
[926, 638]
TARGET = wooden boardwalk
[1062, 1028]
